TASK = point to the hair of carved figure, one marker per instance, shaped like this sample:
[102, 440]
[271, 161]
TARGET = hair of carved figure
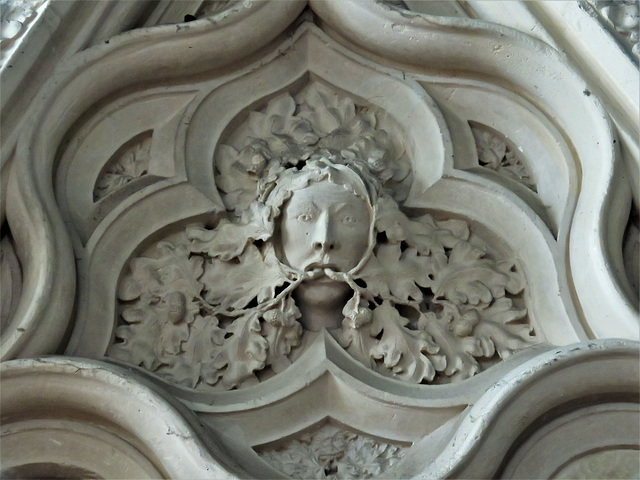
[318, 170]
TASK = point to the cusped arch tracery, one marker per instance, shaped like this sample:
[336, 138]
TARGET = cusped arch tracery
[208, 297]
[247, 185]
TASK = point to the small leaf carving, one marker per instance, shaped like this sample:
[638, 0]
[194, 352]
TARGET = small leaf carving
[392, 272]
[242, 353]
[498, 330]
[196, 359]
[495, 153]
[172, 270]
[470, 278]
[233, 285]
[228, 240]
[424, 234]
[335, 453]
[404, 352]
[365, 457]
[127, 164]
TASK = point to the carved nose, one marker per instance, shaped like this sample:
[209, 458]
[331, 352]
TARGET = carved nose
[325, 246]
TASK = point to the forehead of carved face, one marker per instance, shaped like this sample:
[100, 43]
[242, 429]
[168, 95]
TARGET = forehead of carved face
[325, 226]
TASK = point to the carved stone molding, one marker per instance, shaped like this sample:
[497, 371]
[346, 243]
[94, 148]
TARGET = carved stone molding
[136, 442]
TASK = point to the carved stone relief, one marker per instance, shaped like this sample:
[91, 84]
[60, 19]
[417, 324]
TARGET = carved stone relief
[129, 163]
[16, 16]
[315, 238]
[319, 240]
[333, 452]
[622, 16]
[496, 153]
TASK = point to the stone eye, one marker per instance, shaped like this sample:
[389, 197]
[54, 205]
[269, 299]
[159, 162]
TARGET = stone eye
[304, 217]
[348, 219]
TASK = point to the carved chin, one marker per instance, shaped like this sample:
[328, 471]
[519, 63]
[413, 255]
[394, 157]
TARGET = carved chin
[322, 292]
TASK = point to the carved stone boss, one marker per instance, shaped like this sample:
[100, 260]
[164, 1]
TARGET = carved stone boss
[315, 237]
[325, 257]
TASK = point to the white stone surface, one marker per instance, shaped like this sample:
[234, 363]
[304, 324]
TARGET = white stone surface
[347, 237]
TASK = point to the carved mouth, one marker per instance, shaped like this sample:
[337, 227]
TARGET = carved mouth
[322, 266]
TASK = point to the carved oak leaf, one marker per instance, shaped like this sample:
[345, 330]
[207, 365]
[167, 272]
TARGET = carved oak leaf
[229, 239]
[450, 231]
[425, 234]
[404, 351]
[174, 270]
[392, 273]
[334, 453]
[325, 109]
[233, 285]
[237, 178]
[470, 278]
[149, 336]
[459, 362]
[288, 135]
[282, 332]
[242, 353]
[297, 460]
[125, 166]
[495, 153]
[497, 331]
[195, 361]
[465, 333]
[366, 458]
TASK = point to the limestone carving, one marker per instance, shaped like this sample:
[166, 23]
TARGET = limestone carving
[129, 163]
[315, 238]
[495, 153]
[311, 222]
[333, 452]
[622, 16]
[15, 18]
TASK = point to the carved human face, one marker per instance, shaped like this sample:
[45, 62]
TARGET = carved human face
[325, 226]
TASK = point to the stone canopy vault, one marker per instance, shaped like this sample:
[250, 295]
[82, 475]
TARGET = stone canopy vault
[320, 239]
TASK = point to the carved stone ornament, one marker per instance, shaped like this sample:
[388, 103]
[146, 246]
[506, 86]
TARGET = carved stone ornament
[315, 238]
[623, 17]
[333, 239]
[16, 17]
[333, 452]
